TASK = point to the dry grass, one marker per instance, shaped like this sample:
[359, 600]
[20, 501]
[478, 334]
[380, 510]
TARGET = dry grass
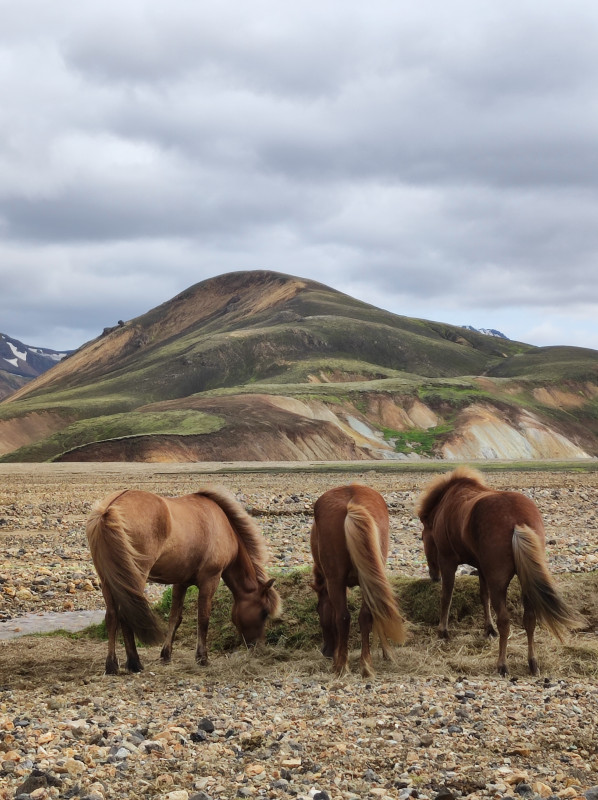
[294, 640]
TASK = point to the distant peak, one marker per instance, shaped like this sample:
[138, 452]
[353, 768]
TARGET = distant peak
[486, 331]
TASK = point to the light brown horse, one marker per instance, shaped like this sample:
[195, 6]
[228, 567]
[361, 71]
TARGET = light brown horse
[349, 544]
[185, 541]
[501, 534]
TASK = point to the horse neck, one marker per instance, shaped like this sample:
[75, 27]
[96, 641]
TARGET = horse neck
[240, 575]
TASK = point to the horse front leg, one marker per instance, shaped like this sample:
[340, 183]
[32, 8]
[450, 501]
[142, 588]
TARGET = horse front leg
[111, 621]
[446, 596]
[133, 662]
[204, 608]
[529, 623]
[338, 598]
[175, 618]
[366, 622]
[489, 629]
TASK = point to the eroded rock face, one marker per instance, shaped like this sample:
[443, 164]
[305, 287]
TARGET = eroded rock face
[484, 434]
[278, 428]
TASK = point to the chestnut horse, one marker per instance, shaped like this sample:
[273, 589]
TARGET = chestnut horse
[185, 541]
[501, 534]
[349, 544]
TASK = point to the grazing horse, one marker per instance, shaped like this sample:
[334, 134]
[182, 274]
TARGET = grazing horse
[349, 544]
[185, 541]
[501, 534]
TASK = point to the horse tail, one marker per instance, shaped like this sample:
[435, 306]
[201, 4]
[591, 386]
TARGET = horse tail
[249, 534]
[538, 585]
[117, 563]
[361, 536]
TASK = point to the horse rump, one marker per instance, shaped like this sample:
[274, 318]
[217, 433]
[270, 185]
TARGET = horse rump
[116, 562]
[361, 536]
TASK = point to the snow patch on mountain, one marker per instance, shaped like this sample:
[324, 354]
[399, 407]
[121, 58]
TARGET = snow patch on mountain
[24, 360]
[486, 331]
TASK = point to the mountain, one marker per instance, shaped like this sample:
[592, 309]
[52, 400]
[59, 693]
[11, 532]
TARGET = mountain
[486, 331]
[20, 363]
[265, 366]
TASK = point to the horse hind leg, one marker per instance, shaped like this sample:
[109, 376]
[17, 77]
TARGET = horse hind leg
[489, 629]
[498, 595]
[326, 615]
[365, 626]
[133, 662]
[529, 623]
[174, 620]
[338, 598]
[111, 621]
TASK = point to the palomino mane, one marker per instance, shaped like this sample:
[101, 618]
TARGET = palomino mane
[244, 527]
[436, 490]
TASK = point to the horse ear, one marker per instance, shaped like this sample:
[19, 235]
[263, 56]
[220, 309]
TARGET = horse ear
[267, 586]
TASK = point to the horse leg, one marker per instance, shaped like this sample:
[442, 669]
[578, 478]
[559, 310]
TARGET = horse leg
[529, 623]
[179, 591]
[498, 595]
[111, 629]
[485, 598]
[365, 626]
[431, 553]
[133, 662]
[204, 607]
[446, 596]
[326, 614]
[338, 598]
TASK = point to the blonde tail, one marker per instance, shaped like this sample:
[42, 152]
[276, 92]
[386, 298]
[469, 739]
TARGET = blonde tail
[115, 560]
[538, 585]
[361, 534]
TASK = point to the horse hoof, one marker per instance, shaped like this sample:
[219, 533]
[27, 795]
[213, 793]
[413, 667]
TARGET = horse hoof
[367, 671]
[165, 656]
[490, 632]
[111, 667]
[443, 634]
[533, 666]
[134, 666]
[503, 671]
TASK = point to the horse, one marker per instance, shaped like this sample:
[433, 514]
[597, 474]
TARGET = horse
[501, 534]
[349, 545]
[135, 536]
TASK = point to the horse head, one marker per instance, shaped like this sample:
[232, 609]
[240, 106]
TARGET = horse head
[251, 611]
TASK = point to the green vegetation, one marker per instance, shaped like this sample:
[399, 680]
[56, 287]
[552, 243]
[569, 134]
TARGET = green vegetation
[422, 441]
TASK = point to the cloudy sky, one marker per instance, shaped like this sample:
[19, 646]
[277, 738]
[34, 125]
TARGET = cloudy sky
[439, 160]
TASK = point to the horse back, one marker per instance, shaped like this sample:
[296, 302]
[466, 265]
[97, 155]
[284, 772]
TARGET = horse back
[328, 542]
[199, 533]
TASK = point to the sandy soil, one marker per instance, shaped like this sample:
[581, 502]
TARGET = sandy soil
[274, 724]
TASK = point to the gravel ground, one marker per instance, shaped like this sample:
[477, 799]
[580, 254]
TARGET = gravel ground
[268, 725]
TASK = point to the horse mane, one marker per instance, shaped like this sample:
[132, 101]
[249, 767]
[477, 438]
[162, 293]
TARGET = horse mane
[244, 527]
[436, 490]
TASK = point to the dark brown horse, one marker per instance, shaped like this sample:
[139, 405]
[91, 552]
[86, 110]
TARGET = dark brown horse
[185, 541]
[501, 534]
[349, 544]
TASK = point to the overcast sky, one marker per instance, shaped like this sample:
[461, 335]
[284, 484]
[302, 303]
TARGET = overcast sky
[439, 160]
